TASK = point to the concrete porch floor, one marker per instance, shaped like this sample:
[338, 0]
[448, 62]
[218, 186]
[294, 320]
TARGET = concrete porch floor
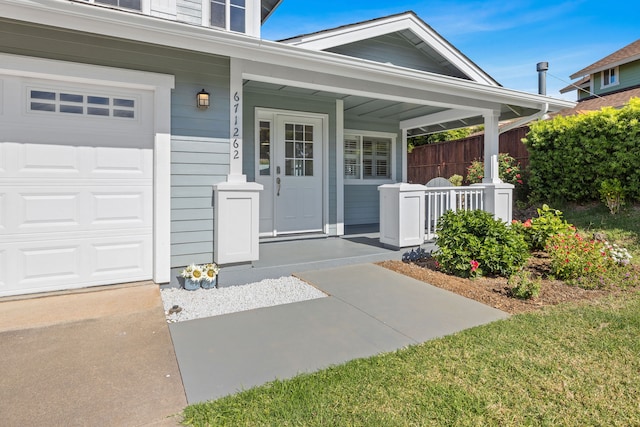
[279, 258]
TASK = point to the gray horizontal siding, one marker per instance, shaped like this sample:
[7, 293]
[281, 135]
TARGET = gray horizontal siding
[391, 48]
[196, 165]
[361, 204]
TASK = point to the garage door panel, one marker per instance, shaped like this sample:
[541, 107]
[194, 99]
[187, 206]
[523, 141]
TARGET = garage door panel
[122, 163]
[50, 263]
[77, 262]
[121, 257]
[74, 208]
[114, 209]
[71, 162]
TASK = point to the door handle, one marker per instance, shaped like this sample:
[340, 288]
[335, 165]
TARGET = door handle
[278, 184]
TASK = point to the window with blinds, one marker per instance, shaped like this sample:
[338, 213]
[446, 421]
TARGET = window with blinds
[367, 157]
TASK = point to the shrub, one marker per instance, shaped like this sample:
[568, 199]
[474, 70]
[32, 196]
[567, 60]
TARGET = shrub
[473, 243]
[578, 261]
[570, 156]
[536, 231]
[456, 180]
[522, 287]
[612, 194]
[508, 170]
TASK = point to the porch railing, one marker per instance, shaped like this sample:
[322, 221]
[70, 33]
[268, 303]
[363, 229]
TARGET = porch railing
[438, 200]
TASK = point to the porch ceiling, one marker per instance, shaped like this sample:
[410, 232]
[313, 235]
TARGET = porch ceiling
[373, 109]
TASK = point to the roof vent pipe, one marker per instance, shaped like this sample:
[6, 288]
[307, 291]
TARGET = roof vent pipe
[541, 68]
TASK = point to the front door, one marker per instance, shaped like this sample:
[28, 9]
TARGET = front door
[293, 187]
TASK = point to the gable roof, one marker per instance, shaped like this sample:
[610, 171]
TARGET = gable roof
[615, 99]
[408, 25]
[267, 8]
[629, 53]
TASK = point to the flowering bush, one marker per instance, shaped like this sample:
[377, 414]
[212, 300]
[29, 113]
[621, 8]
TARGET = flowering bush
[473, 243]
[618, 254]
[536, 231]
[508, 170]
[577, 260]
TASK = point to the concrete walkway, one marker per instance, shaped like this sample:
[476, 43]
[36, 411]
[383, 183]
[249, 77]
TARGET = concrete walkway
[370, 310]
[100, 357]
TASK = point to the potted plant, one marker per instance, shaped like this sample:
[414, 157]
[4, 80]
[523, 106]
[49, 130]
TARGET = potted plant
[196, 276]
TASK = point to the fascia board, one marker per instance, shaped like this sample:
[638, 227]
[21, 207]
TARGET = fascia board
[113, 23]
[589, 71]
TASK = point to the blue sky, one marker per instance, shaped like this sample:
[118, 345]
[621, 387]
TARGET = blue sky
[504, 38]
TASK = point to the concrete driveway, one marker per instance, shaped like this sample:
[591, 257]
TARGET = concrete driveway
[101, 357]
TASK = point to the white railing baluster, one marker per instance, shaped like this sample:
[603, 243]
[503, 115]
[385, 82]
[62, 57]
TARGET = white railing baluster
[438, 200]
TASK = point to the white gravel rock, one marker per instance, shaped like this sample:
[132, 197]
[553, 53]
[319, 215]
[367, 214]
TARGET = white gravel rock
[231, 299]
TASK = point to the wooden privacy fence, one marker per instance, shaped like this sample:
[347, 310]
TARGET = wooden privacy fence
[454, 157]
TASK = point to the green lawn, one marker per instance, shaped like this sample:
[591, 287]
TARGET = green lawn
[623, 228]
[569, 366]
[572, 365]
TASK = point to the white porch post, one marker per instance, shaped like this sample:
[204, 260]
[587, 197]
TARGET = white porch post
[405, 146]
[498, 195]
[339, 167]
[236, 201]
[491, 148]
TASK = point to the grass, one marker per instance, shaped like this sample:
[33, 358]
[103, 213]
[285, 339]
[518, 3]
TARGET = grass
[622, 228]
[575, 365]
[571, 365]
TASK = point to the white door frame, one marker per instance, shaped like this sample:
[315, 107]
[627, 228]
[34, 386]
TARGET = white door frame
[270, 114]
[160, 85]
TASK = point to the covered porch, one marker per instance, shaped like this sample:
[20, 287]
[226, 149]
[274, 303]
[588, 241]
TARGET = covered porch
[346, 97]
[283, 257]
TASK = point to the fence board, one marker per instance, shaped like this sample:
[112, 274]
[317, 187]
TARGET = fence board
[454, 157]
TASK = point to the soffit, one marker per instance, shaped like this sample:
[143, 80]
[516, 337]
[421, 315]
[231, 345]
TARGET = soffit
[268, 6]
[380, 110]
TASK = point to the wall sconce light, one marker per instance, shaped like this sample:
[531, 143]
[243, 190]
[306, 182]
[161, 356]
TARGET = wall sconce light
[202, 99]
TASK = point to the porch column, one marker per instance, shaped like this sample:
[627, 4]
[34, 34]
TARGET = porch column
[405, 145]
[236, 201]
[491, 148]
[498, 196]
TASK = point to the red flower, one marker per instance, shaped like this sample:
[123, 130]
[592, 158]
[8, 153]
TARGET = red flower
[474, 265]
[519, 181]
[527, 223]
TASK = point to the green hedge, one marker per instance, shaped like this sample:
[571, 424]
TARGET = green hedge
[571, 156]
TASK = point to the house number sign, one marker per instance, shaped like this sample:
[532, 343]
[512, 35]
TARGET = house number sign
[236, 134]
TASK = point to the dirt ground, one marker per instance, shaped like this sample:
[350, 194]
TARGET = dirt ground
[494, 291]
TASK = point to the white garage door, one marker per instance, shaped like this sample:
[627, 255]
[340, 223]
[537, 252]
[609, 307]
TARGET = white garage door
[76, 178]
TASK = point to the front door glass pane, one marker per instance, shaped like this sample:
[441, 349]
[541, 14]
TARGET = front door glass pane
[298, 149]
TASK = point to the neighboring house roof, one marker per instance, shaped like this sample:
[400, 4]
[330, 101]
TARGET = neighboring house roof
[577, 85]
[629, 53]
[268, 6]
[410, 27]
[594, 103]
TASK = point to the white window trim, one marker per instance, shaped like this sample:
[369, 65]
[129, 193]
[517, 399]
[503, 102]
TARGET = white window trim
[617, 74]
[145, 6]
[249, 21]
[362, 133]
